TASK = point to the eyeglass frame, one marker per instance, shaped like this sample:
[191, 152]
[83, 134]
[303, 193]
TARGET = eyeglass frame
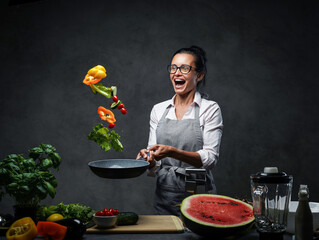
[190, 68]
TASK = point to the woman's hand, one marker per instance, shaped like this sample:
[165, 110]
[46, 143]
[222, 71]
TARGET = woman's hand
[160, 151]
[143, 154]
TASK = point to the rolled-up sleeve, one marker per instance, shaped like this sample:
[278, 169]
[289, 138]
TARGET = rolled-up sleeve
[212, 128]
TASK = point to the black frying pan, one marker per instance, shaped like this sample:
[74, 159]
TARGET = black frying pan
[119, 168]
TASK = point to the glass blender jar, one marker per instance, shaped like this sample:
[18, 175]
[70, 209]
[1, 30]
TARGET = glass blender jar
[271, 193]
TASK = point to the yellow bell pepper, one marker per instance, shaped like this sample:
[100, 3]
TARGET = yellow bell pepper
[95, 75]
[22, 229]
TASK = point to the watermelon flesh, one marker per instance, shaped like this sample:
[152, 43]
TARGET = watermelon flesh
[209, 214]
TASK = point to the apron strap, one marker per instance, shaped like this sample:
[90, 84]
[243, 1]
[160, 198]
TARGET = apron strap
[176, 169]
[168, 108]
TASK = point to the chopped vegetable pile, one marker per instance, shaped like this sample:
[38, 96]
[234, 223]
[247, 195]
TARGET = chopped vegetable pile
[72, 210]
[101, 135]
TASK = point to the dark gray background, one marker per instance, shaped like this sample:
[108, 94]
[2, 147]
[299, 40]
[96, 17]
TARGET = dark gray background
[262, 70]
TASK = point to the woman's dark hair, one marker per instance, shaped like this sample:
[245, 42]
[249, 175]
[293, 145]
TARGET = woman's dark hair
[200, 60]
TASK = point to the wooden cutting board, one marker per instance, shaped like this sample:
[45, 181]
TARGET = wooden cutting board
[146, 224]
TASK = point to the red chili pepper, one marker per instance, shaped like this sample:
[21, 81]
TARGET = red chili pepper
[106, 115]
[51, 230]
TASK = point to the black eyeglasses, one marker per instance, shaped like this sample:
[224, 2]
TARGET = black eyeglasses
[183, 68]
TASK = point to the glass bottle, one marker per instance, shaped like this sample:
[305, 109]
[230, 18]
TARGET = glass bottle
[303, 217]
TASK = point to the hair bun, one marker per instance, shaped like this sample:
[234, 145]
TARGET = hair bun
[200, 51]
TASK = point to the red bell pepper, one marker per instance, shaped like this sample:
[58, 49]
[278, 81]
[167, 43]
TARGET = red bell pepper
[106, 115]
[51, 230]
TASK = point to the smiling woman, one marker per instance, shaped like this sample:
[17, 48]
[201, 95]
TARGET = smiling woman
[185, 132]
[185, 77]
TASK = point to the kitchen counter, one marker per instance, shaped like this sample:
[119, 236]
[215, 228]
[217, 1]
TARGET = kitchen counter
[253, 235]
[165, 236]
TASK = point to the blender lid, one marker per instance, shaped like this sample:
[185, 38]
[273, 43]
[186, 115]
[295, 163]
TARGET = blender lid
[271, 175]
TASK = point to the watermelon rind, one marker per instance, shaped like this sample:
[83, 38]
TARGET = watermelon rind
[211, 229]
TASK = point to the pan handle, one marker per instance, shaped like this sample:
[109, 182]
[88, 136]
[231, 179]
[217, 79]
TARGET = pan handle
[141, 158]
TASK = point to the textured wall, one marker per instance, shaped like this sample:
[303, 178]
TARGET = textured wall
[262, 70]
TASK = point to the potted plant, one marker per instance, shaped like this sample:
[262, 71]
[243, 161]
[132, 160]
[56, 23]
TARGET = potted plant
[29, 180]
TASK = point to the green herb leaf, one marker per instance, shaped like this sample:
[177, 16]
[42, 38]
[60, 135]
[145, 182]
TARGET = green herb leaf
[46, 163]
[115, 142]
[41, 189]
[50, 189]
[105, 139]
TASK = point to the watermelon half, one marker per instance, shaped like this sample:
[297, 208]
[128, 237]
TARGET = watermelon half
[216, 215]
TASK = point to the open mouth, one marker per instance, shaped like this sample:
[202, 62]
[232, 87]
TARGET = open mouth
[179, 82]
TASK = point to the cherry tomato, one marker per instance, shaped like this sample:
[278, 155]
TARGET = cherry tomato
[115, 212]
[108, 213]
[111, 125]
[115, 99]
[105, 210]
[99, 213]
[123, 111]
[120, 106]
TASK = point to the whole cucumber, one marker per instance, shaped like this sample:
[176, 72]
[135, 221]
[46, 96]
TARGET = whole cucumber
[127, 218]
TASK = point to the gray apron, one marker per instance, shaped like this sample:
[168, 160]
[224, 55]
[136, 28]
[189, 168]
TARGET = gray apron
[170, 185]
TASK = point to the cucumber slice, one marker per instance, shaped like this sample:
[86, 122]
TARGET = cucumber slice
[114, 91]
[115, 104]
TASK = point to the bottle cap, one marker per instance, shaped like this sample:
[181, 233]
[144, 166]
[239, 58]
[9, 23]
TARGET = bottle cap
[270, 170]
[303, 189]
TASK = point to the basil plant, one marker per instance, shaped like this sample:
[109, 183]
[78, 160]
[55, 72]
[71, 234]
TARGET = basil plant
[30, 180]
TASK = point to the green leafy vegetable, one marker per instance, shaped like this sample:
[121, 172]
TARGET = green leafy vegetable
[29, 180]
[105, 139]
[73, 210]
[105, 91]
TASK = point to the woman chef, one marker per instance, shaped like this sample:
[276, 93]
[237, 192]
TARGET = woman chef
[185, 132]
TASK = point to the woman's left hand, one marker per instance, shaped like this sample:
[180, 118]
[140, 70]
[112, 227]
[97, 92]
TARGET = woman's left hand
[160, 151]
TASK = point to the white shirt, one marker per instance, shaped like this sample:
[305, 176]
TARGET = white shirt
[211, 124]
